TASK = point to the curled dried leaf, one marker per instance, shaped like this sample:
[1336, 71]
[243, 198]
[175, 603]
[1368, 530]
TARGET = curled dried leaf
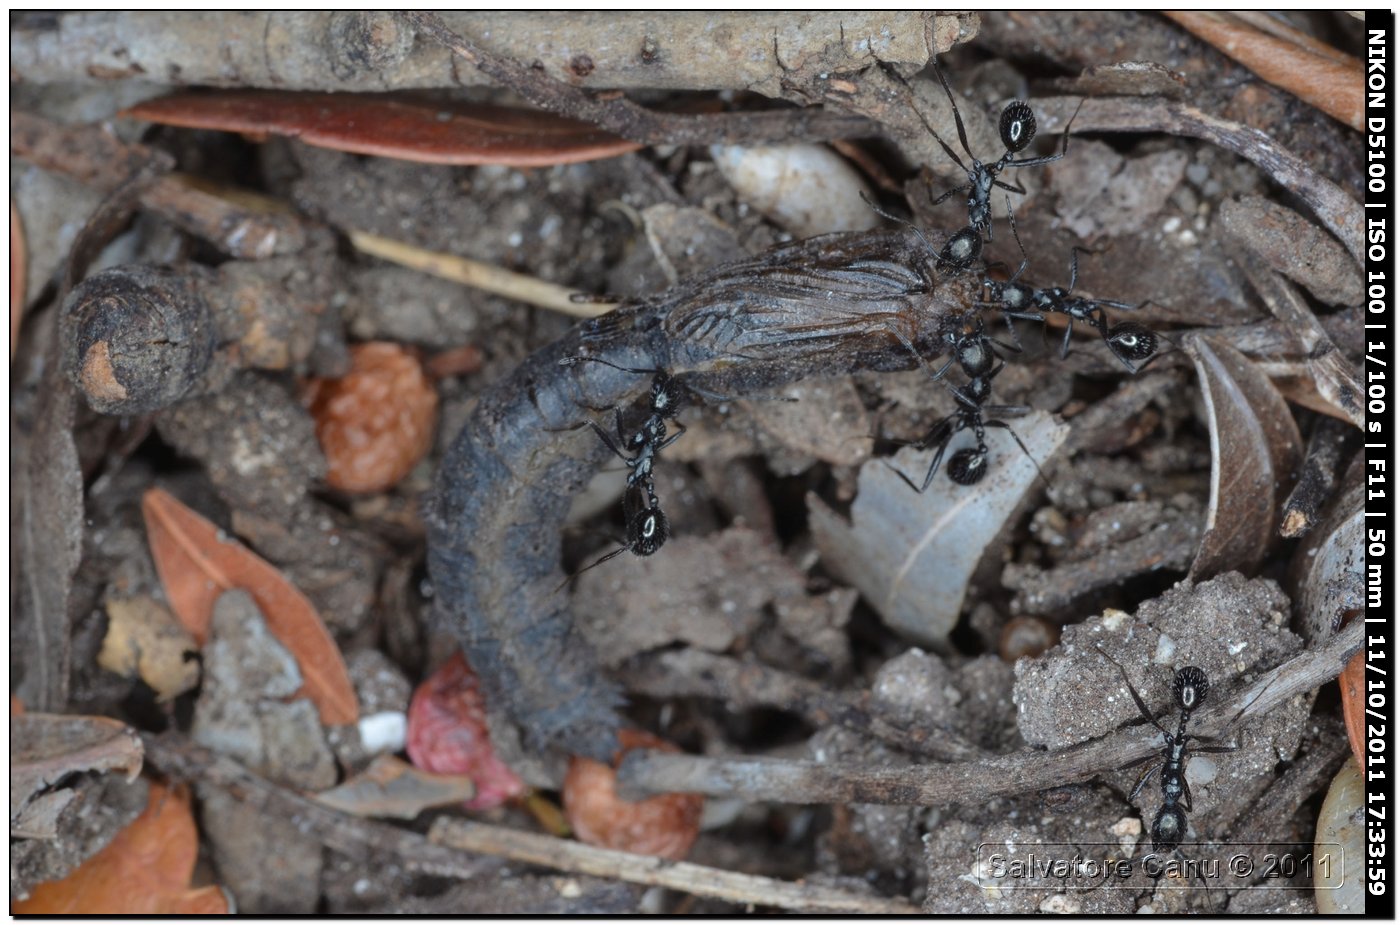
[911, 554]
[197, 563]
[46, 748]
[1255, 449]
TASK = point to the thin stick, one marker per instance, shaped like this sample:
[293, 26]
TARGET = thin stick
[624, 117]
[480, 275]
[770, 779]
[360, 839]
[578, 858]
[694, 673]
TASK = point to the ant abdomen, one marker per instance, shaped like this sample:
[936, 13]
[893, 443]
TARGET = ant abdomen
[961, 250]
[1190, 688]
[648, 531]
[1017, 126]
[1131, 341]
[968, 465]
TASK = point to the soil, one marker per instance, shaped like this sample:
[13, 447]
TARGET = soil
[1100, 542]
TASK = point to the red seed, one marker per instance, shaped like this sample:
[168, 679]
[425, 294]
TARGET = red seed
[376, 422]
[663, 826]
[447, 734]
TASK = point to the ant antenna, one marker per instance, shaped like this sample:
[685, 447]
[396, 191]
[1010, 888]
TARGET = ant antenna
[894, 218]
[575, 360]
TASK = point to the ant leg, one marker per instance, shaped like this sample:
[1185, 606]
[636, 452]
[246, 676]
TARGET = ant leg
[680, 432]
[957, 116]
[1064, 144]
[942, 432]
[1142, 779]
[1064, 346]
[1185, 791]
[956, 189]
[1005, 409]
[1137, 699]
[597, 562]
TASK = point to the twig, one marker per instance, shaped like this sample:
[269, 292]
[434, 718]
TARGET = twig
[754, 779]
[1335, 379]
[360, 839]
[1290, 60]
[480, 275]
[1337, 210]
[694, 673]
[1319, 477]
[96, 158]
[624, 117]
[578, 858]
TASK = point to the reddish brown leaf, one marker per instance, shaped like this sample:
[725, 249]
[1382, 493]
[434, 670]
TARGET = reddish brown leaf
[197, 563]
[145, 870]
[1353, 685]
[411, 130]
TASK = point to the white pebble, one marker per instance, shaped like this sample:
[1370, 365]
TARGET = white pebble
[807, 189]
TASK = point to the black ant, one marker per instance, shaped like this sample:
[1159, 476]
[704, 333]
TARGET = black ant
[639, 451]
[1130, 342]
[647, 526]
[1190, 686]
[1017, 130]
[975, 352]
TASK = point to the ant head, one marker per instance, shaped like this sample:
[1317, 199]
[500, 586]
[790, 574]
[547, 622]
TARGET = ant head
[1190, 688]
[647, 531]
[1017, 126]
[1169, 828]
[961, 250]
[968, 465]
[1131, 341]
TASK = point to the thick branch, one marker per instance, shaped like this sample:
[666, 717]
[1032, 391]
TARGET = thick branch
[760, 779]
[624, 117]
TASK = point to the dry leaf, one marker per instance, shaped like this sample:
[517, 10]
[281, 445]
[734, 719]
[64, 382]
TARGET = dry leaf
[911, 554]
[144, 639]
[145, 870]
[197, 563]
[46, 748]
[1353, 684]
[1255, 449]
[411, 130]
[394, 788]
